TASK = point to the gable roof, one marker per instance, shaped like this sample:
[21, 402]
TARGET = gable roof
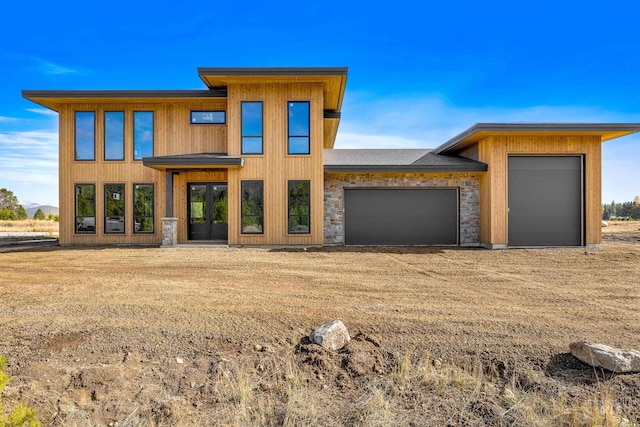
[396, 160]
[480, 131]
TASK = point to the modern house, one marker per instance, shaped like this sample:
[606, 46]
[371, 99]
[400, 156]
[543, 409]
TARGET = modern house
[250, 161]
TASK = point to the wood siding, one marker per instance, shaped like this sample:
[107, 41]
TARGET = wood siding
[495, 150]
[275, 167]
[173, 134]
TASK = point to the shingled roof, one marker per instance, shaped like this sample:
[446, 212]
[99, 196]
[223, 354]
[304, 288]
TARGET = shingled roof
[396, 160]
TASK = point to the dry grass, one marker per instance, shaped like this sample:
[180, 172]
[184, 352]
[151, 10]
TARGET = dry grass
[440, 336]
[29, 225]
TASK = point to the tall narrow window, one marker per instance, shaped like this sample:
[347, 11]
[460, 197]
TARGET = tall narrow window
[114, 135]
[143, 208]
[85, 144]
[252, 207]
[85, 208]
[299, 127]
[142, 134]
[114, 208]
[299, 207]
[251, 127]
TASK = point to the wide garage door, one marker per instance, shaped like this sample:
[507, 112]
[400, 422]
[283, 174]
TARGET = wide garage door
[545, 200]
[401, 216]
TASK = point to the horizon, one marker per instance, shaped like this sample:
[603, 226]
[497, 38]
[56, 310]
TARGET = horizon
[419, 74]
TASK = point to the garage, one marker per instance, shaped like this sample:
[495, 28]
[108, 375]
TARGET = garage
[545, 201]
[401, 216]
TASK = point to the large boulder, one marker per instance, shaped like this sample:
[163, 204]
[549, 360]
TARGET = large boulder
[332, 335]
[603, 356]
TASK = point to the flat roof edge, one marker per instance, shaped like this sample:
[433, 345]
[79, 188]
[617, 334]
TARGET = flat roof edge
[200, 93]
[536, 127]
[273, 71]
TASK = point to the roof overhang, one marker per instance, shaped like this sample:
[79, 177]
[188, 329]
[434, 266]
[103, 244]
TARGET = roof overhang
[52, 99]
[334, 79]
[193, 161]
[479, 131]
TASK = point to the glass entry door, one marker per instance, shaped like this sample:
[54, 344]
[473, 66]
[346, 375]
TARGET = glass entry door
[207, 211]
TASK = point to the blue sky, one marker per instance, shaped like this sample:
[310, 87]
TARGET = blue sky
[419, 72]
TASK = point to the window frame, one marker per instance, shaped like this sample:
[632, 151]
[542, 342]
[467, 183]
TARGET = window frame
[242, 204]
[76, 216]
[308, 135]
[242, 134]
[75, 135]
[123, 199]
[292, 183]
[153, 208]
[191, 122]
[104, 121]
[153, 133]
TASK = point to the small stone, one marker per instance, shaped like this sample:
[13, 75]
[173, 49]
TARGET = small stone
[437, 363]
[192, 384]
[179, 360]
[260, 367]
[603, 356]
[332, 335]
[320, 377]
[258, 347]
[265, 387]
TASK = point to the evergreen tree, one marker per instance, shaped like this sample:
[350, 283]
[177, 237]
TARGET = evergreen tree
[22, 214]
[39, 215]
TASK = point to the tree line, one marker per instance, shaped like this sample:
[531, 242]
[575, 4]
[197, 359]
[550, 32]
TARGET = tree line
[624, 210]
[12, 210]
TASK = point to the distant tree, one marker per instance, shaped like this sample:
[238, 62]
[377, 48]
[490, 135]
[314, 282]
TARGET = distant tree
[53, 217]
[39, 215]
[8, 215]
[8, 200]
[636, 200]
[22, 214]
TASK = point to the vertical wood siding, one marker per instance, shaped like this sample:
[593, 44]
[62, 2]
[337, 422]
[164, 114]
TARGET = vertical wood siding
[495, 150]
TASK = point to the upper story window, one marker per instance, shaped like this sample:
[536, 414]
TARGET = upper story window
[114, 135]
[298, 125]
[85, 138]
[142, 134]
[252, 129]
[208, 117]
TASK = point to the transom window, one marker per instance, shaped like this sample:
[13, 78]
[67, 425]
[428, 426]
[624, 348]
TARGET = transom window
[252, 129]
[85, 135]
[299, 207]
[298, 125]
[252, 203]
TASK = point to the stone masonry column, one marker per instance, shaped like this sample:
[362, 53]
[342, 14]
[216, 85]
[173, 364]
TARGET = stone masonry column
[169, 232]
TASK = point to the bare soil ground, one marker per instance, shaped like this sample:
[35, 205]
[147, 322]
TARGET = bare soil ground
[217, 336]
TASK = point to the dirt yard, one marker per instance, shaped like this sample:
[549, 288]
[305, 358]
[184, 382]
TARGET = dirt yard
[217, 336]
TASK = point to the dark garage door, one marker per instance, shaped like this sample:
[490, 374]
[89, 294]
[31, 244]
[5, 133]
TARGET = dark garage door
[545, 201]
[401, 216]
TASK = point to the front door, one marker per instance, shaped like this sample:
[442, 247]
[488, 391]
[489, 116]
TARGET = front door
[207, 211]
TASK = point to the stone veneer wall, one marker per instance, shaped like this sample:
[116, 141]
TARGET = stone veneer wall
[468, 183]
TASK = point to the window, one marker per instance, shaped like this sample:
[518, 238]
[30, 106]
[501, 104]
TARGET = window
[85, 209]
[251, 117]
[299, 127]
[114, 208]
[143, 208]
[142, 134]
[114, 135]
[85, 135]
[252, 207]
[208, 117]
[299, 207]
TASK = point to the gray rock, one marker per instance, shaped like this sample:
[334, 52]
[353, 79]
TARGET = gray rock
[332, 335]
[603, 356]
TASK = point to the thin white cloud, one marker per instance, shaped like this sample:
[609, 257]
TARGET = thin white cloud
[51, 68]
[4, 119]
[43, 111]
